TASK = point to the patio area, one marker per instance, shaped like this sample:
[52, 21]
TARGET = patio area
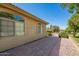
[51, 46]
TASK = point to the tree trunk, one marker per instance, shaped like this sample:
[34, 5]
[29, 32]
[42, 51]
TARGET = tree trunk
[74, 33]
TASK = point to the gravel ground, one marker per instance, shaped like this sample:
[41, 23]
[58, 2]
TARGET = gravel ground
[51, 46]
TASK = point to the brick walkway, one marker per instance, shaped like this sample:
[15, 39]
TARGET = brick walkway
[51, 46]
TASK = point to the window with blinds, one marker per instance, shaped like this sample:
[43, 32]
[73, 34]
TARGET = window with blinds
[6, 28]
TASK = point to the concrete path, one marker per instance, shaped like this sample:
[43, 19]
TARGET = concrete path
[68, 48]
[51, 46]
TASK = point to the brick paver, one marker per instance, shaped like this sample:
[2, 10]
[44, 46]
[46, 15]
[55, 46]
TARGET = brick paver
[51, 46]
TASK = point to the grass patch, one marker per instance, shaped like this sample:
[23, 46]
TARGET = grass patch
[77, 39]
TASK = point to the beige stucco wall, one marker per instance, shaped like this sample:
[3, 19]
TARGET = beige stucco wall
[30, 34]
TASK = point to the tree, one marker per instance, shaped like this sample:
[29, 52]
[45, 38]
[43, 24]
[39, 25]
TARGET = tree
[55, 28]
[71, 7]
[68, 30]
[8, 15]
[73, 23]
[51, 27]
[11, 16]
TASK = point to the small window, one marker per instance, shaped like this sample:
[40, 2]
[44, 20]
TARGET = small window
[33, 27]
[39, 28]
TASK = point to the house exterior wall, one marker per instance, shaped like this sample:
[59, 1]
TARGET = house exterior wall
[30, 29]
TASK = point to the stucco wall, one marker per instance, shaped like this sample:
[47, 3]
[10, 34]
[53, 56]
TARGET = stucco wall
[30, 34]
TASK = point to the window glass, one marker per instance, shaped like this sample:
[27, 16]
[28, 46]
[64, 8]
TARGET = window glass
[11, 24]
[4, 22]
[6, 28]
[3, 28]
[19, 28]
[33, 27]
[39, 28]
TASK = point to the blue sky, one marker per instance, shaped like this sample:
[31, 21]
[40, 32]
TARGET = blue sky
[50, 12]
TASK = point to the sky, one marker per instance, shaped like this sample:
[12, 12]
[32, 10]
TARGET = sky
[53, 13]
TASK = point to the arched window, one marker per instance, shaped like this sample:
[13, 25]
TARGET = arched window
[39, 28]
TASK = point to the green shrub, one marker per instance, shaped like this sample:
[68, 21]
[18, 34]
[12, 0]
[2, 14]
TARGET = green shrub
[49, 33]
[63, 35]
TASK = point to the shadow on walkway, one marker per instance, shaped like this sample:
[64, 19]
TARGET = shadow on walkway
[44, 47]
[56, 49]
